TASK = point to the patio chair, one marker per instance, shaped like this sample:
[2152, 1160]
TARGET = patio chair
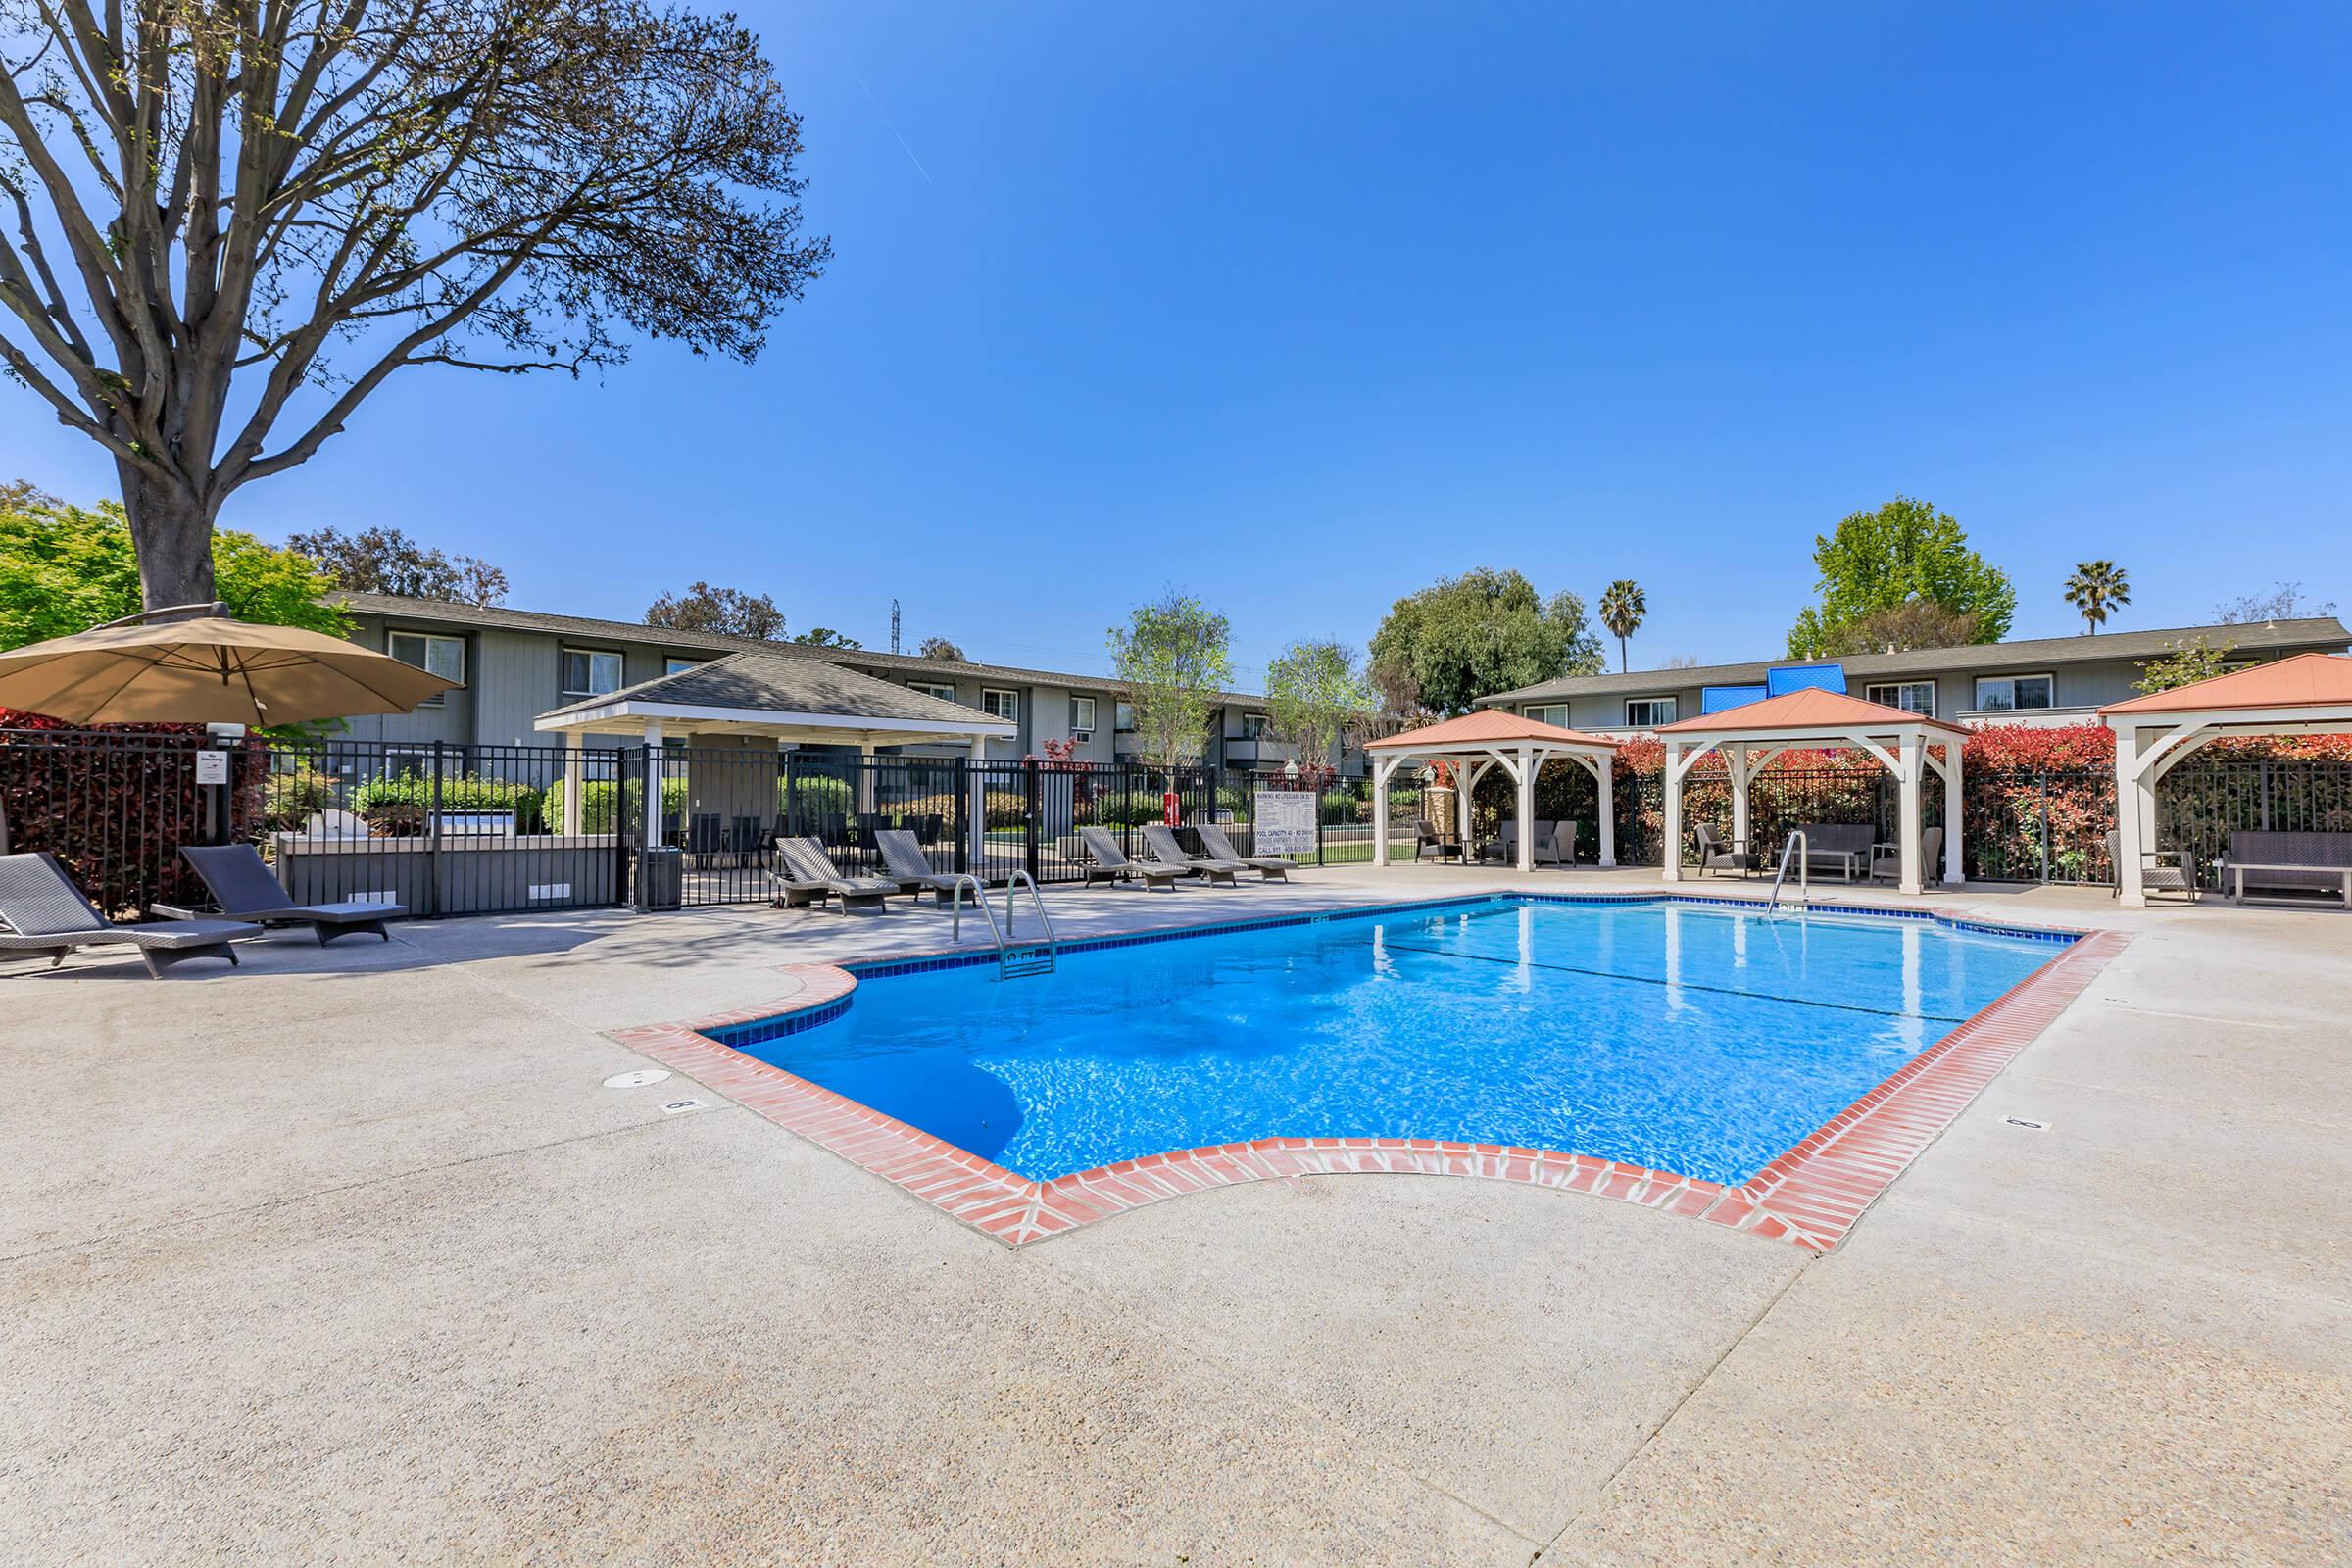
[1555, 844]
[2160, 871]
[244, 888]
[1428, 841]
[47, 913]
[1111, 864]
[1504, 849]
[809, 876]
[904, 861]
[1159, 840]
[1269, 868]
[1886, 859]
[1717, 854]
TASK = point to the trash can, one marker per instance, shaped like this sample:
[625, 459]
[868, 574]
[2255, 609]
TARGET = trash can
[661, 878]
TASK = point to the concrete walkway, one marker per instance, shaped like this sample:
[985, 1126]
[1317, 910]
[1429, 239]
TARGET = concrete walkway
[351, 1258]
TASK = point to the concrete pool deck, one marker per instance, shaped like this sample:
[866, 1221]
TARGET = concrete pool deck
[349, 1255]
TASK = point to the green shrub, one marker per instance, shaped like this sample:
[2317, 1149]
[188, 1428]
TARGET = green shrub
[596, 803]
[397, 805]
[815, 795]
[289, 799]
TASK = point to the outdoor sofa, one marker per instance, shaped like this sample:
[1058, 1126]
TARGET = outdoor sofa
[47, 913]
[2265, 866]
[1111, 864]
[244, 888]
[1844, 848]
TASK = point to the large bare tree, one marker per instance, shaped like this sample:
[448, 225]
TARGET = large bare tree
[224, 222]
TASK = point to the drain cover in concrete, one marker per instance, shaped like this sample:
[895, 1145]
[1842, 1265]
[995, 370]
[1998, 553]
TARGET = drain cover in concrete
[638, 1079]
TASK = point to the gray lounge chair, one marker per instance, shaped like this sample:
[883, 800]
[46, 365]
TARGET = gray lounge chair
[47, 913]
[1886, 859]
[1269, 868]
[245, 889]
[2160, 871]
[1110, 863]
[1717, 854]
[904, 858]
[1556, 843]
[1160, 840]
[810, 876]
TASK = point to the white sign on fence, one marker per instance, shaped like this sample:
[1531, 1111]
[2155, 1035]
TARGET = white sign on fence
[1283, 822]
[212, 768]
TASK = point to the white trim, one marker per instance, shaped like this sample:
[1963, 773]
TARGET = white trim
[589, 719]
[1013, 692]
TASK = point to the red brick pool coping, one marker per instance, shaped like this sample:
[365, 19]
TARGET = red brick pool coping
[1811, 1196]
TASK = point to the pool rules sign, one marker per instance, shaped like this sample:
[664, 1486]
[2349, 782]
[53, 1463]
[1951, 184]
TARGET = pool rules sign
[1283, 822]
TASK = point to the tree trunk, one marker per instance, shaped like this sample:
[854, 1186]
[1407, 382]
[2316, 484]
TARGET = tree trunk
[174, 532]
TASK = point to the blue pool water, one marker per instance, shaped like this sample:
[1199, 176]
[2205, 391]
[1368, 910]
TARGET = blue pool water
[1701, 1040]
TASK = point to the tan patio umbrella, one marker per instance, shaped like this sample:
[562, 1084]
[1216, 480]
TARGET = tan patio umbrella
[206, 669]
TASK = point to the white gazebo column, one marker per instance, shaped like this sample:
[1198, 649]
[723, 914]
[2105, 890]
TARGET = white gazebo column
[651, 836]
[1673, 851]
[2130, 823]
[978, 789]
[1465, 779]
[1606, 774]
[1527, 809]
[1911, 754]
[1736, 757]
[1953, 811]
[573, 823]
[1381, 767]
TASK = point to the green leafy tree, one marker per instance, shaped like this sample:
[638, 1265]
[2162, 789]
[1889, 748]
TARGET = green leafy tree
[825, 637]
[386, 561]
[1622, 607]
[1879, 560]
[1317, 700]
[1174, 659]
[2188, 664]
[2096, 588]
[726, 611]
[65, 568]
[1462, 638]
[228, 225]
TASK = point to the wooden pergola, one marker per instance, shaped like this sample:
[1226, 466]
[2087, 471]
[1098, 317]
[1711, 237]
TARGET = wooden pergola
[2307, 695]
[1751, 735]
[1493, 738]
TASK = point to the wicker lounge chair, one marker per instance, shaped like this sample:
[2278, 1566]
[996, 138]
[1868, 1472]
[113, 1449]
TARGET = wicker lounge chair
[904, 859]
[809, 875]
[47, 913]
[1269, 868]
[2160, 871]
[1159, 840]
[244, 888]
[1717, 854]
[1111, 864]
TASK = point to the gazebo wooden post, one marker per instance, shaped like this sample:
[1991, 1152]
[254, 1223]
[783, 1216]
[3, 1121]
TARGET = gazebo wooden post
[1736, 757]
[2129, 890]
[1465, 779]
[1381, 767]
[1672, 850]
[1911, 761]
[1606, 773]
[1527, 808]
[1954, 809]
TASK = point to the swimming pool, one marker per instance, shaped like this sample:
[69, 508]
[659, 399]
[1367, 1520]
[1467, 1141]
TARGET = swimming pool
[1694, 1039]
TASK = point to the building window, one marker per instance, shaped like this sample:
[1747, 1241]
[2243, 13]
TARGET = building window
[1082, 715]
[944, 690]
[589, 673]
[1911, 696]
[1554, 713]
[1648, 712]
[1123, 715]
[1253, 726]
[444, 656]
[1004, 705]
[2000, 694]
[679, 665]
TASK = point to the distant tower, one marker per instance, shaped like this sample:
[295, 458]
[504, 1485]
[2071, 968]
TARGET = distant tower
[894, 625]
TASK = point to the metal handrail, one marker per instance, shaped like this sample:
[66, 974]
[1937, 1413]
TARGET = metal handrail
[997, 934]
[1804, 883]
[1036, 902]
[980, 902]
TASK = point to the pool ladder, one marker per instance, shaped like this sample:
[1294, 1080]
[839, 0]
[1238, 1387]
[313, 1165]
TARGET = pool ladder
[1795, 848]
[1015, 961]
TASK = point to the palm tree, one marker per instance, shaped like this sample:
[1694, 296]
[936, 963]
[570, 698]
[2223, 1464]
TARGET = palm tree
[2096, 587]
[1621, 611]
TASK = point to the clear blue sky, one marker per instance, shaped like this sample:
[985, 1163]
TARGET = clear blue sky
[1302, 307]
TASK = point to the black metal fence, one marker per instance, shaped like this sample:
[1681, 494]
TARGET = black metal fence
[449, 830]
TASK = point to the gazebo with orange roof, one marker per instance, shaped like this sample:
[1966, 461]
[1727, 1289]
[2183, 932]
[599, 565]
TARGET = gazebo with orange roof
[2310, 694]
[1493, 738]
[1752, 734]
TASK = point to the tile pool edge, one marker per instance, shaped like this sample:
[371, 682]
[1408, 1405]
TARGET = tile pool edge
[1811, 1194]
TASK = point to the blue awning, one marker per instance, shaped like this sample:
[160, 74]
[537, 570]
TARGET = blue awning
[1786, 679]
